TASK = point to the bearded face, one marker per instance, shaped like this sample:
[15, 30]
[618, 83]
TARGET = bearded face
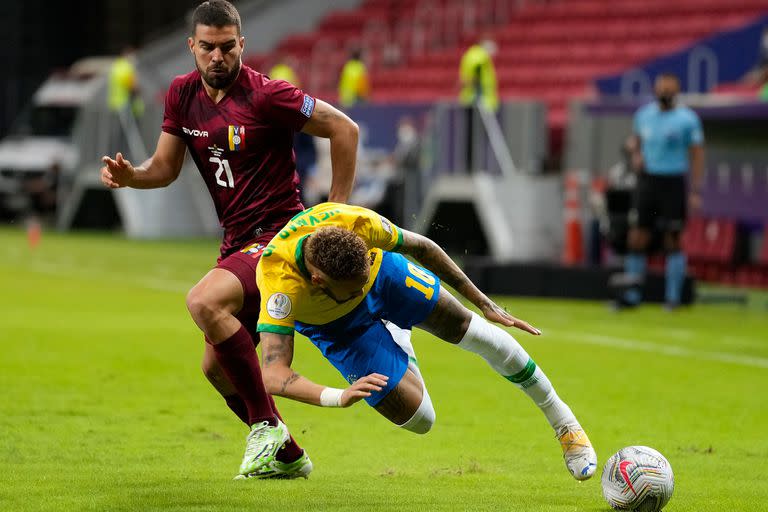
[217, 52]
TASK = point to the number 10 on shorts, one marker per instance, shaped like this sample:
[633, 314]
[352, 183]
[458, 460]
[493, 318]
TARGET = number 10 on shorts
[424, 281]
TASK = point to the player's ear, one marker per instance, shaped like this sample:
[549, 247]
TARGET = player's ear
[191, 44]
[317, 280]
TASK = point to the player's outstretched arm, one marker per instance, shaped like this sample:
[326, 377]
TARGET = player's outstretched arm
[331, 123]
[432, 256]
[160, 170]
[281, 380]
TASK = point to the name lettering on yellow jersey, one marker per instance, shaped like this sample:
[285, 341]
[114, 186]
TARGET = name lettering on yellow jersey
[305, 218]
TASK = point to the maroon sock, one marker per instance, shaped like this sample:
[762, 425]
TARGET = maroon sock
[238, 359]
[291, 451]
[237, 406]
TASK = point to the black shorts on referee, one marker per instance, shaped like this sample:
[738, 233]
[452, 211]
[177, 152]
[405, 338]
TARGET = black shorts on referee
[659, 202]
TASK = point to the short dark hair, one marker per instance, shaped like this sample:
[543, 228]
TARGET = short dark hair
[215, 13]
[668, 75]
[338, 252]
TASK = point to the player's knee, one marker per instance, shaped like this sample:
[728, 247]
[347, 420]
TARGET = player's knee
[198, 305]
[422, 420]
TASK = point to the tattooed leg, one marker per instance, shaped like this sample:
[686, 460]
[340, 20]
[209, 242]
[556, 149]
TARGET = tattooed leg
[449, 320]
[401, 403]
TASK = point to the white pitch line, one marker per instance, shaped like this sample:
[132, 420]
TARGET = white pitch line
[99, 274]
[669, 350]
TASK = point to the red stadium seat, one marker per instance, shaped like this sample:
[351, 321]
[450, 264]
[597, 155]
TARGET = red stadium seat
[550, 51]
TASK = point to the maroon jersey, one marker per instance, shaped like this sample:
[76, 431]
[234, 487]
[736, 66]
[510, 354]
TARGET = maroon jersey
[243, 147]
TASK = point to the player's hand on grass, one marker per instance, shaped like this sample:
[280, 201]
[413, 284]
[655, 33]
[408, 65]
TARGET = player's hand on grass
[116, 173]
[494, 313]
[362, 388]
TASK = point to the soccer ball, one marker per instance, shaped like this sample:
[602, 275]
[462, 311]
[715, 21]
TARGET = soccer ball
[638, 478]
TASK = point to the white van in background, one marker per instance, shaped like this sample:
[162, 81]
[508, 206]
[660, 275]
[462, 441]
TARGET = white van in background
[39, 145]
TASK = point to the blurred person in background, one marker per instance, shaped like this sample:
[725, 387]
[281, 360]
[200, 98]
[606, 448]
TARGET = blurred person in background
[250, 173]
[123, 98]
[354, 84]
[757, 77]
[303, 143]
[285, 69]
[407, 162]
[477, 77]
[123, 95]
[667, 145]
[762, 66]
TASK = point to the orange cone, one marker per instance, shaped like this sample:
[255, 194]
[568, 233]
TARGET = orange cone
[573, 247]
[34, 233]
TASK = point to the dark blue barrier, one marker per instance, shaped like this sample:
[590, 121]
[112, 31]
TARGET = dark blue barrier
[378, 122]
[736, 52]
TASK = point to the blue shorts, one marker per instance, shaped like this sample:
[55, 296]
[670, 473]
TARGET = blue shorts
[358, 343]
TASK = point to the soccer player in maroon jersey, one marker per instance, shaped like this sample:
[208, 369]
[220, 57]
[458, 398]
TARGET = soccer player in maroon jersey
[238, 126]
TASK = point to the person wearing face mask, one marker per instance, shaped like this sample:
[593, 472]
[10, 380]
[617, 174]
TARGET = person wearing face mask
[667, 143]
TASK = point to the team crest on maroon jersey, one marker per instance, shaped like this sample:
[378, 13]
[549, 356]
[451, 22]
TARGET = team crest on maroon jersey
[236, 137]
[253, 250]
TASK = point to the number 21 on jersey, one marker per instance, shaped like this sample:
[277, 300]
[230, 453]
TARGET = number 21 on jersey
[223, 168]
[424, 281]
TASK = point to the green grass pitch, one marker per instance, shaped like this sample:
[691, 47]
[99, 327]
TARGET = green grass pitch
[104, 407]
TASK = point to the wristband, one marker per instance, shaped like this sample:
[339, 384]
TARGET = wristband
[331, 397]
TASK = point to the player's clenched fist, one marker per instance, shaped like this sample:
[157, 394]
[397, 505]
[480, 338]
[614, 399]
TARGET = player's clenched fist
[362, 388]
[116, 173]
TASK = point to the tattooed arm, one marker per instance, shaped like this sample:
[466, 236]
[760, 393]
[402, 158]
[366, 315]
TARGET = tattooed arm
[429, 254]
[281, 380]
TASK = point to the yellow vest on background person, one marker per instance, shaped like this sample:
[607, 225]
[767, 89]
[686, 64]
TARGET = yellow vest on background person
[122, 84]
[353, 83]
[477, 72]
[285, 72]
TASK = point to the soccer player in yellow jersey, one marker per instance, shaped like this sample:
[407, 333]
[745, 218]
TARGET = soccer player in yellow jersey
[336, 274]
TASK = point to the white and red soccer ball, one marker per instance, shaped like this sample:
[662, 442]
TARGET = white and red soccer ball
[639, 479]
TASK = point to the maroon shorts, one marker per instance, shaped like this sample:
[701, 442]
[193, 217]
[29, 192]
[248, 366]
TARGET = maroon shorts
[243, 264]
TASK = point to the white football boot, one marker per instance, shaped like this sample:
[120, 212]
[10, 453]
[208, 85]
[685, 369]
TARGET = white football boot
[580, 458]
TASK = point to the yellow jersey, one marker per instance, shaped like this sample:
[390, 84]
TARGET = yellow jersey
[477, 65]
[287, 294]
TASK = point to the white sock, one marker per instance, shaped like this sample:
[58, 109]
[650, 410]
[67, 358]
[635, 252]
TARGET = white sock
[508, 358]
[422, 420]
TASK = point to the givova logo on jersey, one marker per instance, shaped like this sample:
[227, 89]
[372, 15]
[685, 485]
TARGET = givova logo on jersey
[236, 137]
[194, 132]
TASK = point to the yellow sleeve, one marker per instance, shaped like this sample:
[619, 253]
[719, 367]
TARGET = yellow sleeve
[378, 231]
[279, 298]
